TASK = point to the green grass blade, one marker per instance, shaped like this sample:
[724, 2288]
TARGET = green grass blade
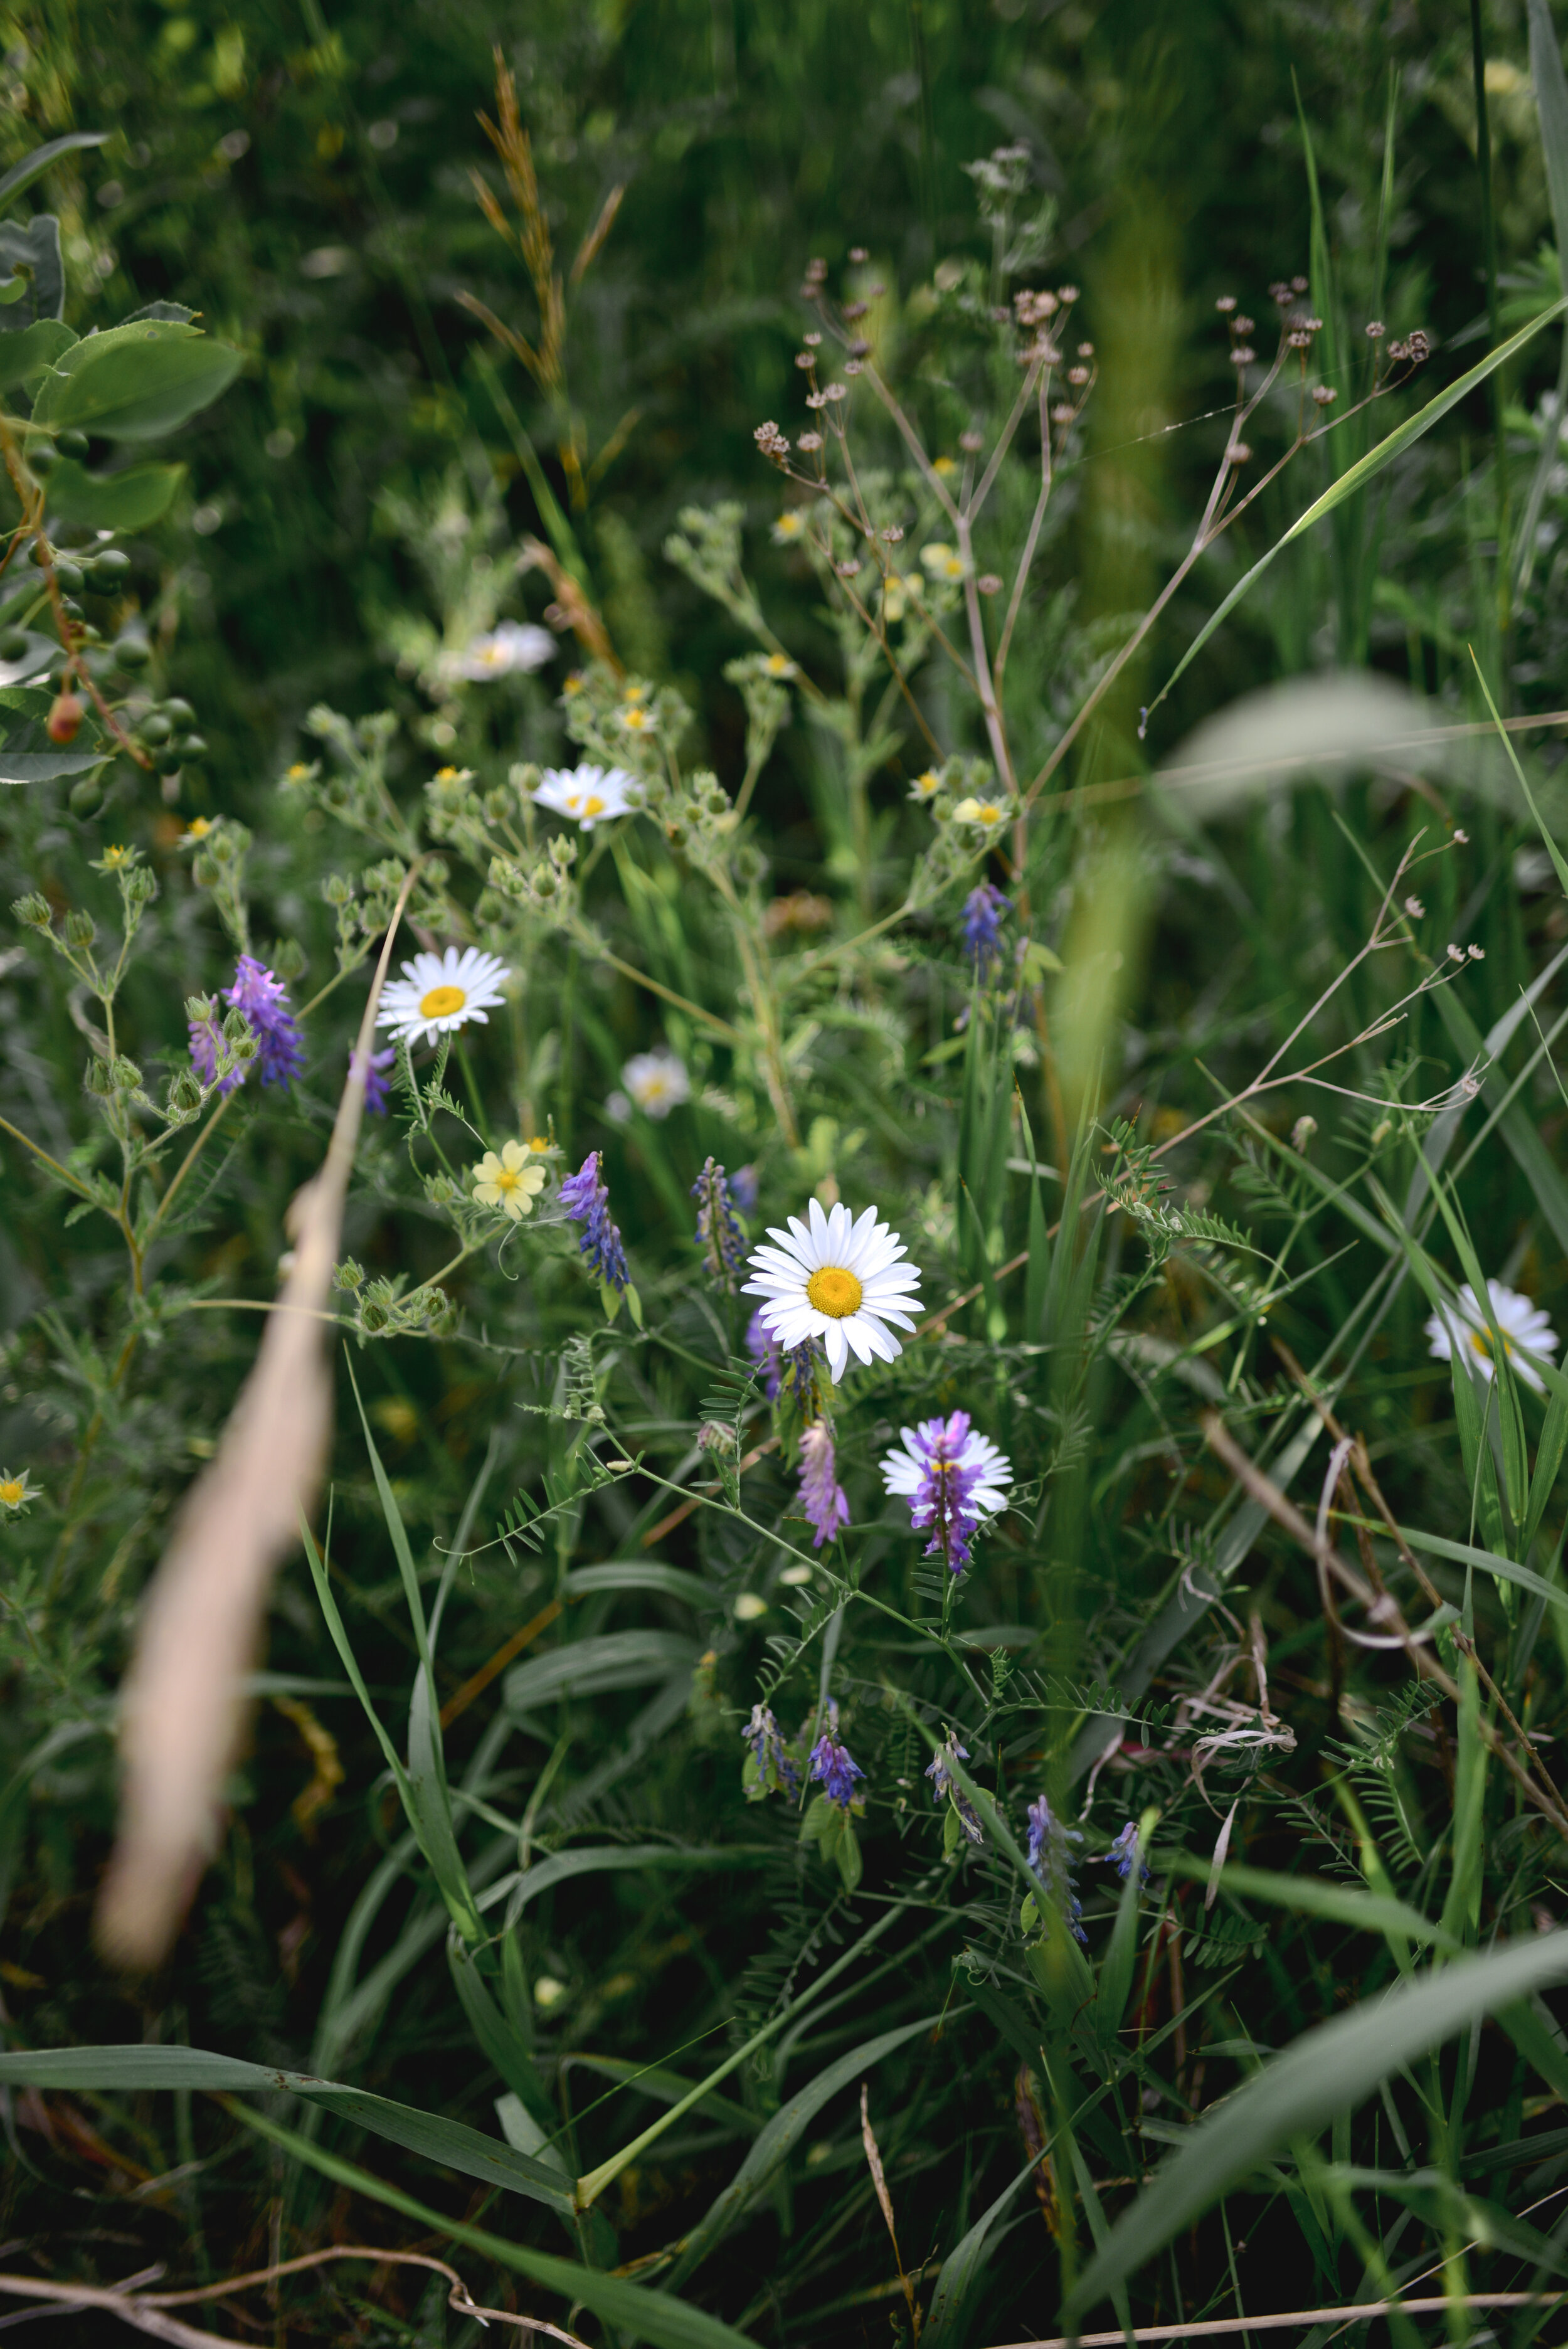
[1295, 2095]
[1356, 477]
[451, 2144]
[781, 2135]
[1315, 1896]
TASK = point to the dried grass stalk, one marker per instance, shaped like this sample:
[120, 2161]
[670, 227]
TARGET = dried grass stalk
[183, 1707]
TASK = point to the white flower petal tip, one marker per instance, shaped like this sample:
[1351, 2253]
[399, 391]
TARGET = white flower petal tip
[906, 1465]
[439, 992]
[1525, 1330]
[511, 649]
[836, 1279]
[588, 795]
[657, 1082]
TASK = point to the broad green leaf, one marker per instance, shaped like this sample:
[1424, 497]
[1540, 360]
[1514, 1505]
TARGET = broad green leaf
[495, 2034]
[135, 382]
[642, 2315]
[779, 2139]
[1356, 477]
[43, 766]
[643, 1574]
[21, 176]
[1326, 2071]
[517, 1891]
[1465, 1554]
[32, 350]
[127, 501]
[1551, 106]
[452, 2144]
[33, 253]
[666, 2088]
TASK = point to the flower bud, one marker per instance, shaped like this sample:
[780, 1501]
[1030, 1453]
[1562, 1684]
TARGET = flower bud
[184, 1094]
[348, 1275]
[80, 928]
[124, 1075]
[65, 718]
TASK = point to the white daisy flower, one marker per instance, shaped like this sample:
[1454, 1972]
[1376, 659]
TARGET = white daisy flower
[514, 648]
[588, 795]
[441, 991]
[1525, 1330]
[657, 1082]
[512, 1182]
[838, 1279]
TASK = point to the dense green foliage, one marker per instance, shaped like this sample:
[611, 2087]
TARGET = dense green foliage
[1188, 1001]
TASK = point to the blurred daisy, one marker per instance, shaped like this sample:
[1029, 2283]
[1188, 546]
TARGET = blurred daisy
[514, 648]
[588, 795]
[838, 1280]
[656, 1081]
[790, 526]
[779, 665]
[1525, 1330]
[196, 830]
[439, 992]
[986, 815]
[926, 787]
[17, 1492]
[512, 1182]
[637, 719]
[899, 588]
[942, 562]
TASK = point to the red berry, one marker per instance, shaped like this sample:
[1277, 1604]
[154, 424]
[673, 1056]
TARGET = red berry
[65, 718]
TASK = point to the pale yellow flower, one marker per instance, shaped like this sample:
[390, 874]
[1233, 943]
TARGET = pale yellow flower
[197, 829]
[926, 786]
[986, 815]
[509, 1182]
[943, 562]
[790, 526]
[15, 1492]
[638, 721]
[780, 665]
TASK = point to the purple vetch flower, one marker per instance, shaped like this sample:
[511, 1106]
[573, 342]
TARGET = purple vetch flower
[1125, 1852]
[206, 1043]
[743, 1189]
[796, 1369]
[985, 910]
[1053, 1863]
[586, 1200]
[377, 1070]
[718, 1233]
[822, 1494]
[943, 1788]
[774, 1767]
[952, 1480]
[833, 1766]
[264, 1000]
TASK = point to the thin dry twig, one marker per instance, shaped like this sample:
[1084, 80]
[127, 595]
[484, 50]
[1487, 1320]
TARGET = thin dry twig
[884, 2203]
[182, 1704]
[1355, 2312]
[148, 2310]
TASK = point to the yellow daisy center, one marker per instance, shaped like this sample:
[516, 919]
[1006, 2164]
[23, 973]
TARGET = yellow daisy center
[441, 1002]
[1481, 1340]
[834, 1291]
[11, 1492]
[594, 804]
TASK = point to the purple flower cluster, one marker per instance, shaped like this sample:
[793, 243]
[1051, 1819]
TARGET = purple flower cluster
[832, 1765]
[718, 1235]
[586, 1200]
[797, 1369]
[939, 1772]
[985, 910]
[377, 1070]
[264, 1000]
[1124, 1854]
[743, 1189]
[1053, 1864]
[944, 1500]
[822, 1494]
[774, 1767]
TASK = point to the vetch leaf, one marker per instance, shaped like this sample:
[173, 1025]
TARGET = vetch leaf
[135, 382]
[127, 501]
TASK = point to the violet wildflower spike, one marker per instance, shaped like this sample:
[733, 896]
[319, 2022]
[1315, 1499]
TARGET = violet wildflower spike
[952, 1480]
[985, 910]
[1125, 1852]
[718, 1235]
[832, 1765]
[773, 1771]
[1053, 1863]
[822, 1494]
[586, 1200]
[378, 1069]
[943, 1788]
[263, 998]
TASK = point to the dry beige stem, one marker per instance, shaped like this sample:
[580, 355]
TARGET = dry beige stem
[884, 2200]
[183, 1707]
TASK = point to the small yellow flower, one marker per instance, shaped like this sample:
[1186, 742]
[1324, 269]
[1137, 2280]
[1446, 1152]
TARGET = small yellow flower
[446, 774]
[116, 860]
[780, 665]
[790, 526]
[942, 562]
[638, 721]
[297, 772]
[987, 815]
[15, 1492]
[926, 786]
[509, 1182]
[635, 693]
[575, 683]
[197, 829]
[538, 1146]
[944, 465]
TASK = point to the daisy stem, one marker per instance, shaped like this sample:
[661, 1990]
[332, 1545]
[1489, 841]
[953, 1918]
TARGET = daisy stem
[471, 1086]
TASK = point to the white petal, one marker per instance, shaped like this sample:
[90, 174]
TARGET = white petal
[838, 1349]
